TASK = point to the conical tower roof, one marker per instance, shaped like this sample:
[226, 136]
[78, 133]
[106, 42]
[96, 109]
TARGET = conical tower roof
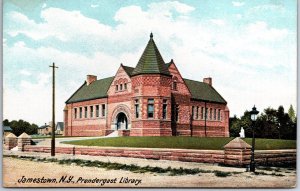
[151, 62]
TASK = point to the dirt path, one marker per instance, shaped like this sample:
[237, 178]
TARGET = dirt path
[14, 169]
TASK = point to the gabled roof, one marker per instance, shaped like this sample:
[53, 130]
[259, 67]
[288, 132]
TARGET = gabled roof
[204, 92]
[43, 126]
[128, 69]
[61, 125]
[151, 61]
[97, 89]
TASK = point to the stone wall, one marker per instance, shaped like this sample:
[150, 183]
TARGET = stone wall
[276, 157]
[187, 155]
[241, 158]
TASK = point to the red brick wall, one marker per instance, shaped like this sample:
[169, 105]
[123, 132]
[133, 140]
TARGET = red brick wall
[95, 126]
[157, 87]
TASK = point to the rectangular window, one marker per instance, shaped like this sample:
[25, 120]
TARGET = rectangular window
[121, 87]
[193, 108]
[219, 114]
[117, 87]
[91, 111]
[174, 85]
[165, 109]
[210, 114]
[215, 114]
[97, 110]
[202, 113]
[177, 113]
[80, 112]
[206, 113]
[137, 108]
[150, 109]
[103, 110]
[125, 86]
[75, 113]
[85, 112]
[197, 112]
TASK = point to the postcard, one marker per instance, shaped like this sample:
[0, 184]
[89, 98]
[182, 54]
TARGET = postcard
[149, 94]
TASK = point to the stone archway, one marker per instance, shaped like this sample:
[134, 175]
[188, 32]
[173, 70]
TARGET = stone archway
[122, 121]
[121, 117]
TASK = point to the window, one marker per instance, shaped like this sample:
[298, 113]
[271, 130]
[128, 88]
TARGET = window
[97, 110]
[197, 112]
[85, 112]
[202, 113]
[219, 114]
[174, 85]
[125, 86]
[80, 112]
[164, 109]
[215, 114]
[176, 113]
[91, 111]
[137, 108]
[121, 87]
[103, 110]
[193, 108]
[75, 113]
[117, 87]
[150, 109]
[210, 114]
[206, 111]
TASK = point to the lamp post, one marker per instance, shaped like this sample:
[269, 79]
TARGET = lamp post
[253, 114]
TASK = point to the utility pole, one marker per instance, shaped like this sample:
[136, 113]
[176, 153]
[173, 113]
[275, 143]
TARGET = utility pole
[205, 119]
[53, 110]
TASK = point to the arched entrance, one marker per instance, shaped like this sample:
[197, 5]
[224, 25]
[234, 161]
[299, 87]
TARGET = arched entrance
[122, 121]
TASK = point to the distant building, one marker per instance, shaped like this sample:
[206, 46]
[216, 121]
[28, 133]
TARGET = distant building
[59, 129]
[45, 129]
[152, 99]
[6, 130]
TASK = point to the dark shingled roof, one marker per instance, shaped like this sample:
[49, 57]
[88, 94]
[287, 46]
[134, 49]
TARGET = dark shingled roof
[61, 124]
[128, 70]
[97, 89]
[151, 62]
[204, 92]
[7, 128]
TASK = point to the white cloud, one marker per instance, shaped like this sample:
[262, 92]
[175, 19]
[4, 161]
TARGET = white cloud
[25, 72]
[248, 64]
[94, 5]
[218, 22]
[237, 4]
[44, 5]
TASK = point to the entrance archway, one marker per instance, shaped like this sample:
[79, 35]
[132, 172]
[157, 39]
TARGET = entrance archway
[122, 121]
[120, 118]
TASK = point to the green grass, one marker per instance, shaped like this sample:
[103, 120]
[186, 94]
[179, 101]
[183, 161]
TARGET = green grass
[182, 142]
[271, 144]
[49, 136]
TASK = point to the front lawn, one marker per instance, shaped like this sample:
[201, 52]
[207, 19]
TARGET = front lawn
[211, 143]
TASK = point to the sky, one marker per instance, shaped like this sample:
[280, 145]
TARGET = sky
[249, 48]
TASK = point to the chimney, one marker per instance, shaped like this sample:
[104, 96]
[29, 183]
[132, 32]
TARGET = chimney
[90, 79]
[208, 81]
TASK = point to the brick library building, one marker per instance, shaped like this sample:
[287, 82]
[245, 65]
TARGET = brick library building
[152, 99]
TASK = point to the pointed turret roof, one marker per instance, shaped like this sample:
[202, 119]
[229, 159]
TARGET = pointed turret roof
[151, 62]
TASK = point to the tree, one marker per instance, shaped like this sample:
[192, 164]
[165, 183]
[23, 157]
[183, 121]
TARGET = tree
[6, 122]
[21, 126]
[270, 123]
[291, 113]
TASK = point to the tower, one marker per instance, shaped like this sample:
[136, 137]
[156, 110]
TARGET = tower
[151, 85]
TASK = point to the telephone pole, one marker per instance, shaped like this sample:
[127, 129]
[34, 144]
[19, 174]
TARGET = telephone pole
[53, 110]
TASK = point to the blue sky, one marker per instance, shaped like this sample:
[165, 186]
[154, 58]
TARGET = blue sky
[247, 47]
